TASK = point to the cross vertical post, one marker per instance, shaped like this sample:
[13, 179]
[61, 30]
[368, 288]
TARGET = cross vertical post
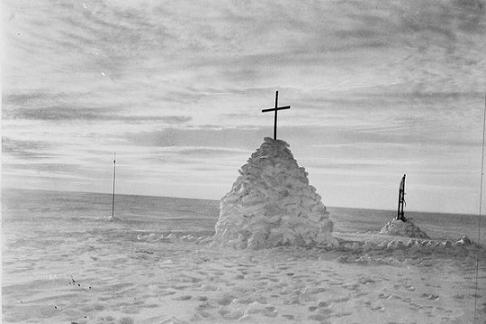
[275, 109]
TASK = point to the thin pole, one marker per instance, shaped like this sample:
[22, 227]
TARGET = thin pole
[275, 117]
[480, 211]
[113, 197]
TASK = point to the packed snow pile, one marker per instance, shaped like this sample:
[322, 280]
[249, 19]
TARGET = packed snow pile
[271, 204]
[400, 228]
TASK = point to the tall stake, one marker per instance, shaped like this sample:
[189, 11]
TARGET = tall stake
[275, 117]
[113, 197]
[480, 211]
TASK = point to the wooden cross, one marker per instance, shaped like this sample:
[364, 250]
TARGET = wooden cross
[275, 116]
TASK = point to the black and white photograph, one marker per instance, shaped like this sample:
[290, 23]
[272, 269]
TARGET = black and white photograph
[243, 161]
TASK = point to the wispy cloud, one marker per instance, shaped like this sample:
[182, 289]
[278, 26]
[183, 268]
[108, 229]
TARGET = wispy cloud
[205, 137]
[50, 168]
[27, 149]
[86, 114]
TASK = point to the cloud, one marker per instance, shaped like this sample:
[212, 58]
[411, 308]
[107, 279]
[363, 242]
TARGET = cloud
[383, 97]
[45, 167]
[209, 151]
[203, 137]
[86, 114]
[238, 38]
[251, 137]
[28, 99]
[27, 149]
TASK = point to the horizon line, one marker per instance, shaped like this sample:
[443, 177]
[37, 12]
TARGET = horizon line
[192, 198]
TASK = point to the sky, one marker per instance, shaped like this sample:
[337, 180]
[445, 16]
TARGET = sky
[176, 88]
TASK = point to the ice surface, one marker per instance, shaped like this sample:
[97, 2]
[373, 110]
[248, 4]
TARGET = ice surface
[163, 269]
[400, 228]
[271, 204]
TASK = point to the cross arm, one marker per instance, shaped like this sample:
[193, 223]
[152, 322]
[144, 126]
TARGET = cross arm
[278, 108]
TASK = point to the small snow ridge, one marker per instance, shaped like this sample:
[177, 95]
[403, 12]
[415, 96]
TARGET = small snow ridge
[172, 237]
[401, 228]
[271, 203]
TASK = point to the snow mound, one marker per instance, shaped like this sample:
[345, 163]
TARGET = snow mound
[464, 241]
[271, 203]
[400, 228]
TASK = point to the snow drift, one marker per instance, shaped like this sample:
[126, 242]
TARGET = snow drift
[271, 204]
[400, 228]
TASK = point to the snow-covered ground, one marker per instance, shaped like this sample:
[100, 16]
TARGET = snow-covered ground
[164, 278]
[67, 265]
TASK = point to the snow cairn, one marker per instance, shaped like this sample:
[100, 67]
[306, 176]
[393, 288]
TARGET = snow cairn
[400, 228]
[271, 203]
